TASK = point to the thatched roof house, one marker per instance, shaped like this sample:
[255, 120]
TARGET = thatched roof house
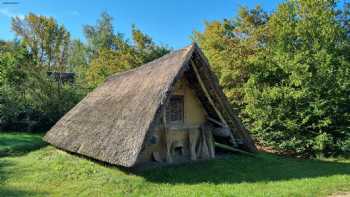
[168, 110]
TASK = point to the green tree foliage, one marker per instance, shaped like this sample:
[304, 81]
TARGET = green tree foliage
[146, 50]
[117, 54]
[231, 45]
[300, 96]
[77, 54]
[101, 36]
[78, 61]
[47, 41]
[30, 101]
[109, 62]
[12, 81]
[291, 71]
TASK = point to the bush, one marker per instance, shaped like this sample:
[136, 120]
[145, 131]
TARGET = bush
[30, 100]
[297, 96]
[288, 72]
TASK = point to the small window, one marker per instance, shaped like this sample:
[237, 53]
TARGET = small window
[175, 109]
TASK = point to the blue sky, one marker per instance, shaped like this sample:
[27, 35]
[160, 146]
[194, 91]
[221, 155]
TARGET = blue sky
[169, 22]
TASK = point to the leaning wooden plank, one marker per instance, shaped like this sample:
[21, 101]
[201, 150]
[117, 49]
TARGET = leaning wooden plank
[229, 148]
[216, 122]
[206, 93]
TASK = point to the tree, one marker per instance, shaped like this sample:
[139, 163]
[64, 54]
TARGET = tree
[288, 72]
[109, 62]
[230, 45]
[297, 95]
[144, 46]
[46, 40]
[112, 53]
[101, 35]
[29, 100]
[77, 54]
[12, 82]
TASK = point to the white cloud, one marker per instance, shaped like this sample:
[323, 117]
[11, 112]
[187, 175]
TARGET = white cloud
[10, 13]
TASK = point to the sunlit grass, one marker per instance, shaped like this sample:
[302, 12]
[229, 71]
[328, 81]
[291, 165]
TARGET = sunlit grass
[51, 172]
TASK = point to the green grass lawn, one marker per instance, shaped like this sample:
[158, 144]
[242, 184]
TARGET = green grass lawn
[19, 143]
[29, 168]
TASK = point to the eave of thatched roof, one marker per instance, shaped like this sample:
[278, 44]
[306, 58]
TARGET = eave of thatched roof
[111, 122]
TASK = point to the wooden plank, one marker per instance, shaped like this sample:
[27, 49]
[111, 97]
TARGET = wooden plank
[216, 122]
[229, 148]
[169, 159]
[222, 125]
[194, 136]
[206, 93]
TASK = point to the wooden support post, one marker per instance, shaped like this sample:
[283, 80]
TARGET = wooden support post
[169, 159]
[205, 149]
[211, 144]
[194, 135]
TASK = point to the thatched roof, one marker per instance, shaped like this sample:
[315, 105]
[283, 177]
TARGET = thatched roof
[110, 123]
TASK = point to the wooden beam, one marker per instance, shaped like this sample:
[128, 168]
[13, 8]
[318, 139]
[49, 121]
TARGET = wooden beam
[169, 159]
[222, 125]
[229, 148]
[207, 94]
[216, 122]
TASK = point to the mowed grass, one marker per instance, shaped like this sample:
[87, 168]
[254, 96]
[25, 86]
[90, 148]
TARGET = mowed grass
[12, 143]
[47, 171]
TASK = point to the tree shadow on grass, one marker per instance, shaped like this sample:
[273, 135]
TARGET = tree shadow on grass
[14, 144]
[263, 167]
[9, 191]
[239, 168]
[229, 169]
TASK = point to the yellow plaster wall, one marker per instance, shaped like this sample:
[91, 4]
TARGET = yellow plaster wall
[194, 114]
[160, 147]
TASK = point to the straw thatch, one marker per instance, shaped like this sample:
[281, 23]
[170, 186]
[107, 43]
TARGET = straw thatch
[110, 123]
